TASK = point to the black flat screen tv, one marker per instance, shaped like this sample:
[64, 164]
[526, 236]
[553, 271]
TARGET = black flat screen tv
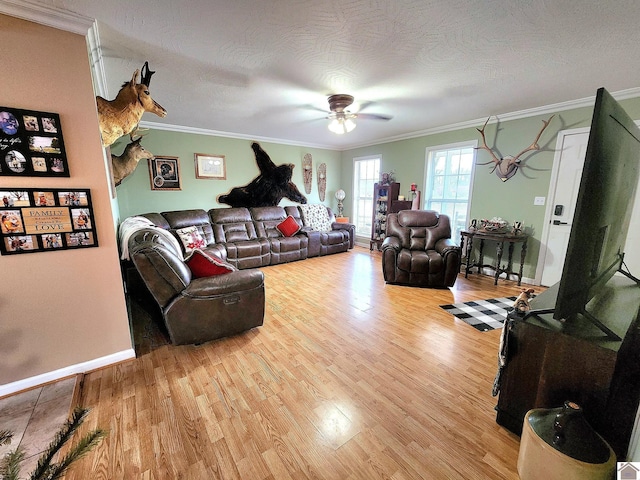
[604, 205]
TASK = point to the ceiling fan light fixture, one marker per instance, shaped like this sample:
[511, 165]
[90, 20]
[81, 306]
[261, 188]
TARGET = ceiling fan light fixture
[341, 125]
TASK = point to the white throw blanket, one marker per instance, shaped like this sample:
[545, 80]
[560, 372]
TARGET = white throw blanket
[316, 216]
[132, 224]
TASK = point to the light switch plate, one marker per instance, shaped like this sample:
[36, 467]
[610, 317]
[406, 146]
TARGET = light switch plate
[538, 201]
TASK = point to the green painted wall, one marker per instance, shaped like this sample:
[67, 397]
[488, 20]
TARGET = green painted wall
[134, 195]
[512, 200]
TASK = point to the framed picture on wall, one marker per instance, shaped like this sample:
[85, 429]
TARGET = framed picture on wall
[45, 219]
[31, 144]
[164, 173]
[210, 166]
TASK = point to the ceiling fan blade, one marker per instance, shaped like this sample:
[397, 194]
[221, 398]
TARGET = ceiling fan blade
[373, 116]
[314, 108]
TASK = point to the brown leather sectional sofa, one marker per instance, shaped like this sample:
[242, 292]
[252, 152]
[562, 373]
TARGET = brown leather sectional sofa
[248, 237]
[196, 310]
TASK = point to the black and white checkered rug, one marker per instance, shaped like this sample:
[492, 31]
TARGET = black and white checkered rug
[483, 315]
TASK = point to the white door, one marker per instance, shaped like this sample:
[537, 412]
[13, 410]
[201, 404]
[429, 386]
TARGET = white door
[562, 204]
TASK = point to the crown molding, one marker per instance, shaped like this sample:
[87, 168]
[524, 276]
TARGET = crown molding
[531, 112]
[241, 136]
[75, 23]
[45, 15]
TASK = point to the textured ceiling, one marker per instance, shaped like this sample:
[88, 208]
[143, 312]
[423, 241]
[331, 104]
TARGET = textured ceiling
[263, 69]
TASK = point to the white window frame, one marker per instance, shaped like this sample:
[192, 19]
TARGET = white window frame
[426, 197]
[354, 201]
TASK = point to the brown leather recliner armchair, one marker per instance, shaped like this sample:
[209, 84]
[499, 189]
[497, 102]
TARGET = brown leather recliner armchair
[419, 251]
[196, 310]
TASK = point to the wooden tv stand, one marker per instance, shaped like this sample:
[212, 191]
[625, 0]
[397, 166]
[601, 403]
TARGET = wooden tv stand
[550, 361]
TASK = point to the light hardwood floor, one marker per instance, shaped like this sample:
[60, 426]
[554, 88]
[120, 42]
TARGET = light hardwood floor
[349, 378]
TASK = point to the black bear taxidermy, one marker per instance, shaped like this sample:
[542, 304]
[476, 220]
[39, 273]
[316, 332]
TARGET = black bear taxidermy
[267, 189]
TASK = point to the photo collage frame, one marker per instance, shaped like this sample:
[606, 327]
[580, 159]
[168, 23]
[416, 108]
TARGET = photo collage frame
[31, 144]
[45, 219]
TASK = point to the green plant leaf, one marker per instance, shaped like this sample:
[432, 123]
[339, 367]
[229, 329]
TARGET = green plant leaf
[10, 464]
[46, 470]
[5, 437]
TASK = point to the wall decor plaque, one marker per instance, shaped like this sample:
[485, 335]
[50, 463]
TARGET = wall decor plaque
[45, 219]
[31, 144]
[164, 173]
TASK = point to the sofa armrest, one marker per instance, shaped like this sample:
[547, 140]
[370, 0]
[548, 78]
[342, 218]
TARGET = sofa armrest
[217, 249]
[390, 249]
[313, 247]
[451, 255]
[350, 227]
[222, 284]
[391, 243]
[163, 272]
[445, 245]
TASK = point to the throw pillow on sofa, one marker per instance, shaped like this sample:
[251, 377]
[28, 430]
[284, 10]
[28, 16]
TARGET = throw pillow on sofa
[190, 238]
[203, 264]
[288, 227]
[316, 217]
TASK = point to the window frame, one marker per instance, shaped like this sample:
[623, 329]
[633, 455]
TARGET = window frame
[356, 197]
[428, 177]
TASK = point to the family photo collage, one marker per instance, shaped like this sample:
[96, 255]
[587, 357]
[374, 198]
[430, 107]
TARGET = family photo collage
[39, 219]
[46, 219]
[31, 144]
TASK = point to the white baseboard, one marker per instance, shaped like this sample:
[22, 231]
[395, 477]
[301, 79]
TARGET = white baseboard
[491, 273]
[48, 377]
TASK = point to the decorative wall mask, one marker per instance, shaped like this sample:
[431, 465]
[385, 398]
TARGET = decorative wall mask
[267, 189]
[507, 167]
[121, 115]
[322, 180]
[307, 172]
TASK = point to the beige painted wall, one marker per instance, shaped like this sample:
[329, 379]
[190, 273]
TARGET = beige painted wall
[64, 308]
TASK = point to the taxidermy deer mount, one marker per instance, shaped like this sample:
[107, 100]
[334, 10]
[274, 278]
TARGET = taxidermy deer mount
[123, 165]
[506, 168]
[121, 115]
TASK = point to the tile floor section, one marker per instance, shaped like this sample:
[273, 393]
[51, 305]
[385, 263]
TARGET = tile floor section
[34, 416]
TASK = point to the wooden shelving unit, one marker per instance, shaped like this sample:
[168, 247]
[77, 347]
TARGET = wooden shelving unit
[385, 201]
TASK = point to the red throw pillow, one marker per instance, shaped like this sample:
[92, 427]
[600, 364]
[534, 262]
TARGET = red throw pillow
[288, 227]
[203, 264]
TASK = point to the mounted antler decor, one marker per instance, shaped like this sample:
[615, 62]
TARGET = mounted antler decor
[121, 115]
[506, 168]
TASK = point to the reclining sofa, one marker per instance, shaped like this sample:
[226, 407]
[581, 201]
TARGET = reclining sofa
[196, 310]
[249, 237]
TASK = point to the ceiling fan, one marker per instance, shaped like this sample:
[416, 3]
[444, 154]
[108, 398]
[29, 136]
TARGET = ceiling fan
[342, 120]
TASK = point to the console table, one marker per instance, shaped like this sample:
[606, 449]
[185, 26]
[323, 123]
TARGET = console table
[500, 239]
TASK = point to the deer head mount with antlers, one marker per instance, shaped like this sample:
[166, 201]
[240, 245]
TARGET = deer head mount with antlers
[121, 115]
[507, 167]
